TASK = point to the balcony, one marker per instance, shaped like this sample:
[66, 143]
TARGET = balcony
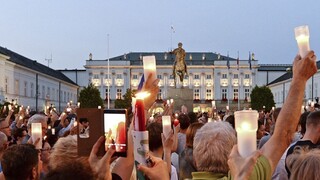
[223, 82]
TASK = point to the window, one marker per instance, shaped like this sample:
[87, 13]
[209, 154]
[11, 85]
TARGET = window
[119, 76]
[224, 94]
[159, 76]
[119, 93]
[107, 93]
[208, 94]
[315, 89]
[48, 93]
[31, 90]
[53, 95]
[58, 98]
[196, 94]
[196, 76]
[134, 76]
[235, 93]
[6, 84]
[159, 96]
[64, 97]
[25, 88]
[171, 76]
[186, 77]
[68, 96]
[247, 76]
[224, 76]
[96, 76]
[246, 94]
[43, 92]
[16, 86]
[235, 76]
[208, 76]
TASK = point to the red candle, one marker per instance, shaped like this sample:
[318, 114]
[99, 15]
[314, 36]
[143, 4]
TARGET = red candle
[139, 118]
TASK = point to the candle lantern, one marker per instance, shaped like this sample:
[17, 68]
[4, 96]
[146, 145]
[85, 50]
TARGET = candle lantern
[246, 125]
[166, 125]
[36, 133]
[302, 37]
[149, 67]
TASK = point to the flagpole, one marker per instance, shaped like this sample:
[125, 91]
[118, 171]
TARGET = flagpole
[238, 61]
[228, 80]
[108, 84]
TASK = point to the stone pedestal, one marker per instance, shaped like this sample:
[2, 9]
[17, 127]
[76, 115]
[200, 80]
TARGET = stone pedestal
[181, 96]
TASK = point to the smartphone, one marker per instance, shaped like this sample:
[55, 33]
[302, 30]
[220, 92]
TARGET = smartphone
[115, 130]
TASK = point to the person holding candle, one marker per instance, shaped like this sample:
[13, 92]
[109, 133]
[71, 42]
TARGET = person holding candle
[205, 154]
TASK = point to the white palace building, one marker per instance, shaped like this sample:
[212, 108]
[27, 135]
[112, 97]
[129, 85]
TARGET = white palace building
[208, 76]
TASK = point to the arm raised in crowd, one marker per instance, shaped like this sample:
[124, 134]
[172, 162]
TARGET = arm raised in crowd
[287, 121]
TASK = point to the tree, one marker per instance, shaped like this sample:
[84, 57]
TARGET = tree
[90, 97]
[262, 96]
[125, 103]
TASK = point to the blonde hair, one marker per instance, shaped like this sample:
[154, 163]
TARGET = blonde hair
[64, 149]
[212, 145]
[304, 163]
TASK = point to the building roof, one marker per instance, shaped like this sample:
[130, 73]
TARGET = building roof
[287, 76]
[167, 58]
[34, 65]
[274, 67]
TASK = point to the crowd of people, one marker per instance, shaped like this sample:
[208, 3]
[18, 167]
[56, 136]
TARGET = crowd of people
[198, 147]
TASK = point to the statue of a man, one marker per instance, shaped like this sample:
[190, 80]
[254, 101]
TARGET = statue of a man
[179, 66]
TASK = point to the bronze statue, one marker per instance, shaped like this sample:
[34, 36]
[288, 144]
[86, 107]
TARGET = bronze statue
[179, 65]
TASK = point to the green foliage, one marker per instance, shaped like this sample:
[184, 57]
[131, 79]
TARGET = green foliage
[125, 103]
[90, 97]
[262, 96]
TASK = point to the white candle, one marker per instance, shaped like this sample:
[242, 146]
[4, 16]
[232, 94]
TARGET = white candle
[53, 131]
[171, 101]
[302, 37]
[272, 108]
[78, 104]
[68, 104]
[149, 67]
[227, 108]
[302, 109]
[36, 133]
[246, 124]
[166, 125]
[9, 107]
[168, 102]
[99, 107]
[133, 103]
[49, 127]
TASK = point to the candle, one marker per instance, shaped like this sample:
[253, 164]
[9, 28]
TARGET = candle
[209, 119]
[166, 125]
[99, 107]
[171, 101]
[246, 124]
[53, 131]
[213, 104]
[168, 102]
[139, 117]
[68, 104]
[227, 108]
[263, 107]
[133, 103]
[302, 37]
[78, 104]
[312, 104]
[302, 109]
[272, 108]
[36, 133]
[149, 67]
[9, 107]
[75, 123]
[49, 127]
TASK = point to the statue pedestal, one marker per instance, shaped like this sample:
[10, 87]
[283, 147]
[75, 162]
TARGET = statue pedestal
[181, 97]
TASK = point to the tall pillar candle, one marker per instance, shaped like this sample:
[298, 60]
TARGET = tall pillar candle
[36, 133]
[246, 124]
[149, 67]
[302, 37]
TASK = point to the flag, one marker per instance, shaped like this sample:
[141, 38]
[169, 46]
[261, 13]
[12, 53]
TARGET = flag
[228, 61]
[172, 28]
[238, 61]
[141, 83]
[250, 60]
